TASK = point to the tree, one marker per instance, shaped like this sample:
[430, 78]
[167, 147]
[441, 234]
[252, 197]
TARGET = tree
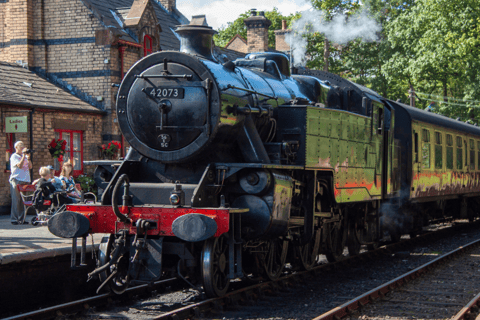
[226, 34]
[436, 45]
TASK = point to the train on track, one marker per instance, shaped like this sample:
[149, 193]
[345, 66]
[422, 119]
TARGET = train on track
[237, 168]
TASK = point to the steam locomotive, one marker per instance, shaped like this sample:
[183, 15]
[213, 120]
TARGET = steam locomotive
[238, 167]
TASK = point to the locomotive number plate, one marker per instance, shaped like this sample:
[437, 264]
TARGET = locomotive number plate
[171, 93]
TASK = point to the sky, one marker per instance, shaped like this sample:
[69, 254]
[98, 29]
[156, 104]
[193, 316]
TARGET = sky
[219, 12]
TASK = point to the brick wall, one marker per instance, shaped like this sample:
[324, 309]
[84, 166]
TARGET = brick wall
[57, 39]
[280, 43]
[18, 13]
[257, 32]
[238, 45]
[44, 124]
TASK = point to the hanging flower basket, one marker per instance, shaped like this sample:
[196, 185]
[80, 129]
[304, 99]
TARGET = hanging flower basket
[57, 149]
[111, 150]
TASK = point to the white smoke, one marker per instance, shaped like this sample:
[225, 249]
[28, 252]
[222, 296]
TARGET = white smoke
[339, 30]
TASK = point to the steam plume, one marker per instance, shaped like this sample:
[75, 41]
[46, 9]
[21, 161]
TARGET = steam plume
[339, 30]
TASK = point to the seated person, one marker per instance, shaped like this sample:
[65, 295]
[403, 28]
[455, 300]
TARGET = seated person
[68, 181]
[49, 184]
[56, 181]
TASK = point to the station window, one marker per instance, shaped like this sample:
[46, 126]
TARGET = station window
[147, 45]
[426, 149]
[450, 151]
[73, 149]
[472, 154]
[459, 153]
[438, 151]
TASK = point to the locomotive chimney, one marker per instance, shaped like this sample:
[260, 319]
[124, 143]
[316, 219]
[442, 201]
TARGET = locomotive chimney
[197, 38]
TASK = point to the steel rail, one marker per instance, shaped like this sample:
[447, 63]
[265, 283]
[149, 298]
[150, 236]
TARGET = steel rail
[358, 302]
[469, 309]
[78, 305]
[233, 298]
[260, 289]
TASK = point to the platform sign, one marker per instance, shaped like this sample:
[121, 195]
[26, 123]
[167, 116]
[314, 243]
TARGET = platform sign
[16, 124]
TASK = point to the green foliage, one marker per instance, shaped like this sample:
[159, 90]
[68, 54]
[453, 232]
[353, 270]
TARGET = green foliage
[87, 183]
[435, 47]
[226, 34]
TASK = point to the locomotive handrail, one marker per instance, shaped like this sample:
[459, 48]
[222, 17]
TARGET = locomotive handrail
[166, 76]
[250, 91]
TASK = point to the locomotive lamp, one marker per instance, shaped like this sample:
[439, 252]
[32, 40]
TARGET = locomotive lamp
[177, 197]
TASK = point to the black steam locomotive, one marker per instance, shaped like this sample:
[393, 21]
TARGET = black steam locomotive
[239, 167]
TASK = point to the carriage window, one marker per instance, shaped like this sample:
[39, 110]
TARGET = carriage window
[426, 149]
[459, 153]
[478, 155]
[438, 151]
[450, 151]
[472, 154]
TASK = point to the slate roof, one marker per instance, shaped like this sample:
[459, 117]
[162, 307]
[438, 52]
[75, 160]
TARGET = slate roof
[112, 13]
[232, 55]
[21, 87]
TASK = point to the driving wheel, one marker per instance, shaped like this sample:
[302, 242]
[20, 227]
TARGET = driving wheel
[275, 258]
[308, 253]
[336, 240]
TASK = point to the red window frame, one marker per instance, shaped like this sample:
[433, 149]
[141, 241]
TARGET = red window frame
[147, 45]
[60, 132]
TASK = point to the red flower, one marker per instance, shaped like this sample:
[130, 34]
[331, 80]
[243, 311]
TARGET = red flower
[52, 144]
[64, 143]
[62, 147]
[60, 158]
[104, 146]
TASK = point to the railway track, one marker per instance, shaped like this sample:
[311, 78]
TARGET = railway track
[243, 294]
[445, 288]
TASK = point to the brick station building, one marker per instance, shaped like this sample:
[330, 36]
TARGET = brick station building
[58, 61]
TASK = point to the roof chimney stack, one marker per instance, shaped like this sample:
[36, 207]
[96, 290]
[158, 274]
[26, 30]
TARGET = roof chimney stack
[257, 31]
[280, 43]
[169, 4]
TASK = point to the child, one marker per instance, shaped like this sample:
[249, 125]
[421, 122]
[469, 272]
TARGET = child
[49, 184]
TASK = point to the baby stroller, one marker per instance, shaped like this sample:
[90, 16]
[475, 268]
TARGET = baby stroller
[47, 201]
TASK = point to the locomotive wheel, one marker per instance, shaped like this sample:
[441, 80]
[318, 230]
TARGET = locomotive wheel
[119, 282]
[215, 267]
[336, 241]
[275, 258]
[353, 242]
[309, 252]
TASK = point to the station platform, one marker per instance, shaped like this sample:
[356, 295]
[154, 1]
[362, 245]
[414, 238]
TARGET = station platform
[27, 242]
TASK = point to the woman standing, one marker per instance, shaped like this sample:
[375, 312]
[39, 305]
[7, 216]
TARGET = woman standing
[20, 166]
